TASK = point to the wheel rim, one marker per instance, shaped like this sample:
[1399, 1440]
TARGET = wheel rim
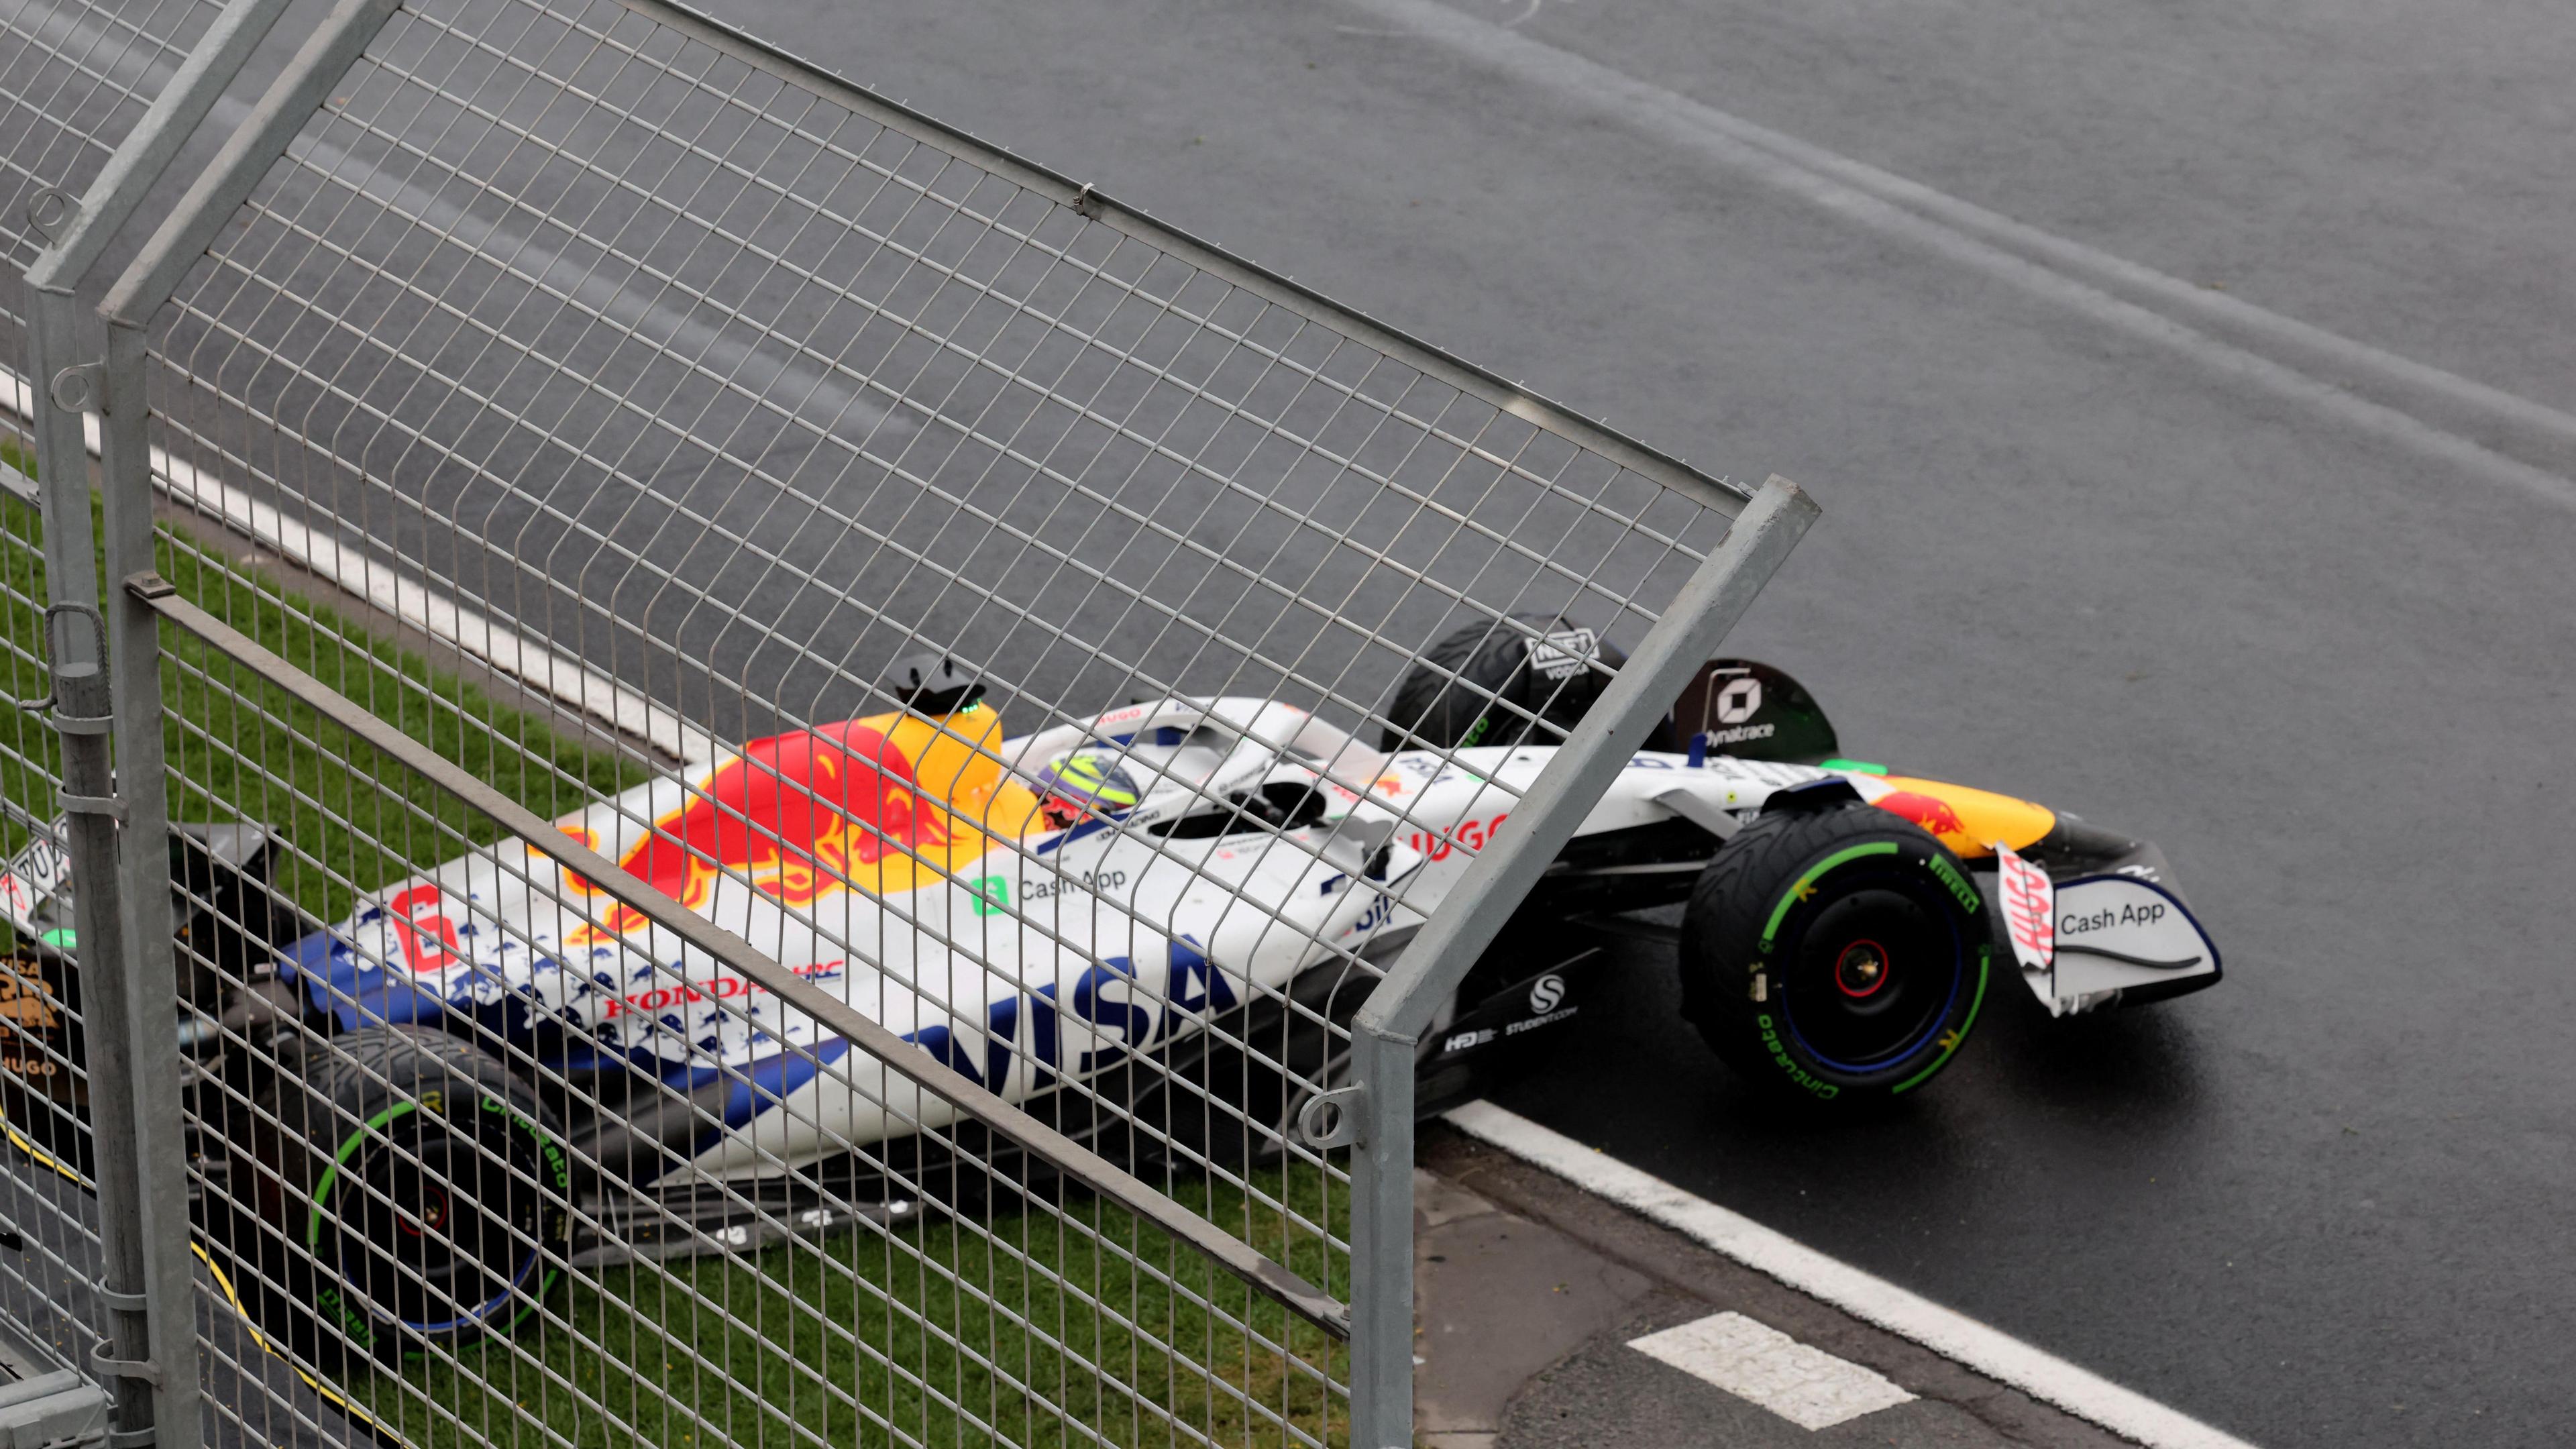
[1874, 976]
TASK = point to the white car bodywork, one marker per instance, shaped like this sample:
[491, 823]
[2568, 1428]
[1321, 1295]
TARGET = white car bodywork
[1021, 952]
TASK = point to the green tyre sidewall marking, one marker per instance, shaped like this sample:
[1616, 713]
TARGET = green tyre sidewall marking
[331, 1178]
[1958, 1038]
[563, 1183]
[323, 1190]
[1790, 897]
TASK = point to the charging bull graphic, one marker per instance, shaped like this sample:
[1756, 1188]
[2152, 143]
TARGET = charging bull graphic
[798, 815]
[1968, 821]
[1931, 812]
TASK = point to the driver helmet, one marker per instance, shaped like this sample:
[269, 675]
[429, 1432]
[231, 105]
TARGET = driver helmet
[1085, 782]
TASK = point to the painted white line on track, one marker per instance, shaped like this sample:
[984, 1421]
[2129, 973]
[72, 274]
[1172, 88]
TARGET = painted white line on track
[542, 669]
[1758, 1363]
[2036, 262]
[1953, 1335]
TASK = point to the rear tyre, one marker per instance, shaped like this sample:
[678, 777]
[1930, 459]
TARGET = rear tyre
[415, 1195]
[1538, 666]
[1835, 957]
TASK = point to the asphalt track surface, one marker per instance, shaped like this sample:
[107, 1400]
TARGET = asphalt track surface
[2317, 656]
[2260, 599]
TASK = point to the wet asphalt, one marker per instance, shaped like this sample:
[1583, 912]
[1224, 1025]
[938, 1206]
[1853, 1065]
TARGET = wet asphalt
[2326, 1202]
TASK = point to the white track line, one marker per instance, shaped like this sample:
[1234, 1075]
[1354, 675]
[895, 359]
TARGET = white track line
[2052, 268]
[1951, 1334]
[1761, 1365]
[507, 652]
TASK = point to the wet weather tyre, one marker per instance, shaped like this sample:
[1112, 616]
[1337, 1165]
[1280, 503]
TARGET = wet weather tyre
[1835, 957]
[1500, 683]
[429, 1198]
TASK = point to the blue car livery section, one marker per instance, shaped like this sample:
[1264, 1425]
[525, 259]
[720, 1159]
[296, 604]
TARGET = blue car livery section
[1021, 1035]
[1026, 1032]
[1022, 1029]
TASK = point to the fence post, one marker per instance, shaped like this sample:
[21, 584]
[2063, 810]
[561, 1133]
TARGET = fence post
[117, 822]
[143, 893]
[82, 712]
[1382, 1242]
[1390, 1026]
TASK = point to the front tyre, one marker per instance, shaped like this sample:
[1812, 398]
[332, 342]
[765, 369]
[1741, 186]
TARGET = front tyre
[434, 1202]
[1835, 956]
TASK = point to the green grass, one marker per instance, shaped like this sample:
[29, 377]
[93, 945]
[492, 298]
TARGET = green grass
[794, 1347]
[865, 1338]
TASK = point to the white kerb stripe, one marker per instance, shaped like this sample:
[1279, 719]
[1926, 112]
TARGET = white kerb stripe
[1804, 1385]
[1952, 1334]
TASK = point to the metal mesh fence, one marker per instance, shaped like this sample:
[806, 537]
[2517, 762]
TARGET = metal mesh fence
[619, 361]
[42, 1079]
[74, 79]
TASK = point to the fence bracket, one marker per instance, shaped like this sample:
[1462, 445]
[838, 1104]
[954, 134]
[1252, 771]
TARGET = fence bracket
[1332, 1119]
[140, 1369]
[71, 804]
[48, 702]
[52, 210]
[81, 388]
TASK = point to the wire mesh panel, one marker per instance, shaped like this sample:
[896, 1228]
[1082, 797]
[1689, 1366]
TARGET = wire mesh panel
[74, 79]
[1107, 656]
[42, 1079]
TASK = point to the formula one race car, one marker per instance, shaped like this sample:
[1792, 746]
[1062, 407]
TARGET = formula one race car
[1166, 908]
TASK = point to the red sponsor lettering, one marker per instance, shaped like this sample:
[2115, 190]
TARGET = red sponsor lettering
[711, 988]
[2027, 916]
[1473, 834]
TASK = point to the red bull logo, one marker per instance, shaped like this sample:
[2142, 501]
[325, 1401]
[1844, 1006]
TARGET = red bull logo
[1932, 813]
[797, 815]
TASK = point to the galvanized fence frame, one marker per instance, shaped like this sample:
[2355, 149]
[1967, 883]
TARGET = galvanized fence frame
[1378, 1104]
[146, 1358]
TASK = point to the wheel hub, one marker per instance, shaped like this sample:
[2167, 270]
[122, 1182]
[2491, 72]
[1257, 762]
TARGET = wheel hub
[1861, 970]
[430, 1215]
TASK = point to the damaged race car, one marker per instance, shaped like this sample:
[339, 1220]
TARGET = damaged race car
[1143, 927]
